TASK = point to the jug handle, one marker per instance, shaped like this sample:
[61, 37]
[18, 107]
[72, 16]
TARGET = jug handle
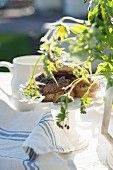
[7, 65]
[107, 114]
[10, 68]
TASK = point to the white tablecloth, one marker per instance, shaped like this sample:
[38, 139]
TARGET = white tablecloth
[91, 158]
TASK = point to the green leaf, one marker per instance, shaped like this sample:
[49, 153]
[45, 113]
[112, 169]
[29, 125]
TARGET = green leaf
[78, 29]
[63, 110]
[105, 69]
[60, 117]
[65, 98]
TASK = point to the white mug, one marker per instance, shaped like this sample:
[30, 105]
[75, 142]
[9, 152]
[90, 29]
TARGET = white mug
[21, 71]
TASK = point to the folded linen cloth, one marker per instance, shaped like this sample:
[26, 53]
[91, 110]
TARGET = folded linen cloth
[32, 131]
[47, 137]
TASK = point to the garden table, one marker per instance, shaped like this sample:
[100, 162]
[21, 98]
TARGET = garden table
[13, 156]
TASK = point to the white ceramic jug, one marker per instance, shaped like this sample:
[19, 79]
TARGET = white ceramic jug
[21, 71]
[105, 123]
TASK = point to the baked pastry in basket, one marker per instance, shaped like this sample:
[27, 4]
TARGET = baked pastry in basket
[64, 77]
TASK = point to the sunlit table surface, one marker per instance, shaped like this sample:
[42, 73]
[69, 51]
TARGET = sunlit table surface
[93, 157]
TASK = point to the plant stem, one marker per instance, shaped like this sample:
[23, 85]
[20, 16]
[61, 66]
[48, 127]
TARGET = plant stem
[75, 20]
[35, 66]
[66, 40]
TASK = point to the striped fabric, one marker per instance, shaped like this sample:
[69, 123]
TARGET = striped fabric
[30, 141]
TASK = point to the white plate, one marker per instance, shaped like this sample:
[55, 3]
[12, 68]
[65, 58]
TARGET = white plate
[98, 100]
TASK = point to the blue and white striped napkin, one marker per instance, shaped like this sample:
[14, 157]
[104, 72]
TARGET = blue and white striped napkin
[28, 140]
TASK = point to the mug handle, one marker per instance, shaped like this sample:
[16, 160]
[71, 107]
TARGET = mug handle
[10, 68]
[7, 65]
[107, 114]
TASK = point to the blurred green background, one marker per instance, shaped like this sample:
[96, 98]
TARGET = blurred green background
[13, 45]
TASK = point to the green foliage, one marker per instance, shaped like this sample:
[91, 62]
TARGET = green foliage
[31, 90]
[62, 117]
[65, 98]
[85, 100]
[78, 29]
[96, 41]
[13, 45]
